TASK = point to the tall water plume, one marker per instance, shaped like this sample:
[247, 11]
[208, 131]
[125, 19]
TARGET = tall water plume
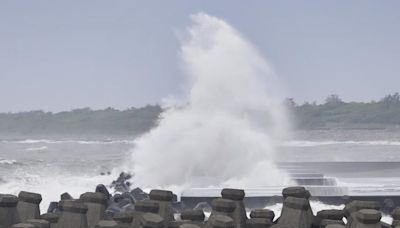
[227, 131]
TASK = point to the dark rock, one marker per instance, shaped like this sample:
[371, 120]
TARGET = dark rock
[102, 189]
[139, 195]
[66, 196]
[53, 207]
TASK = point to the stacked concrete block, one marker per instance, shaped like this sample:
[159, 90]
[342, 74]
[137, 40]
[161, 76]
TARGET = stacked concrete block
[188, 225]
[325, 222]
[331, 217]
[367, 218]
[124, 219]
[351, 209]
[396, 217]
[72, 214]
[296, 212]
[107, 224]
[222, 207]
[164, 199]
[335, 226]
[258, 223]
[221, 221]
[237, 196]
[39, 223]
[8, 211]
[142, 207]
[263, 213]
[52, 218]
[23, 225]
[96, 203]
[151, 220]
[296, 191]
[194, 215]
[28, 205]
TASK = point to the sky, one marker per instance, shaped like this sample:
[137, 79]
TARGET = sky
[61, 55]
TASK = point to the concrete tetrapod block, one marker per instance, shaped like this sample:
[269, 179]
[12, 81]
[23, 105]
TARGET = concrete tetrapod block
[221, 221]
[296, 191]
[351, 209]
[107, 224]
[142, 207]
[28, 205]
[326, 222]
[335, 226]
[52, 218]
[329, 215]
[72, 214]
[296, 212]
[236, 195]
[96, 203]
[193, 215]
[124, 219]
[8, 211]
[396, 217]
[151, 220]
[187, 225]
[367, 218]
[221, 207]
[39, 223]
[259, 223]
[164, 198]
[263, 213]
[23, 225]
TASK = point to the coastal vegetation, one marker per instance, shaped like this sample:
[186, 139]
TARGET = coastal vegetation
[334, 113]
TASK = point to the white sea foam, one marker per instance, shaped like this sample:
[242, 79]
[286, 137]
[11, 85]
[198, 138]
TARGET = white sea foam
[48, 141]
[7, 162]
[52, 184]
[228, 130]
[305, 143]
[37, 148]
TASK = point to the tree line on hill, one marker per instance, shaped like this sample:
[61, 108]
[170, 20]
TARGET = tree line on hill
[334, 113]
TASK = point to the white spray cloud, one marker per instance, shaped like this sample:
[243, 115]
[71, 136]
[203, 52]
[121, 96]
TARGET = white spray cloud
[227, 133]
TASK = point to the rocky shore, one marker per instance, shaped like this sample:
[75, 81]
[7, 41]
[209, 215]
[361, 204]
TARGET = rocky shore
[161, 209]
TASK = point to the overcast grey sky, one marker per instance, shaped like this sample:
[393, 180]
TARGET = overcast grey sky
[59, 55]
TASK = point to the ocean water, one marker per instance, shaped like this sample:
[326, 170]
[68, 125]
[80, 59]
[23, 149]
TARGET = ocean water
[52, 167]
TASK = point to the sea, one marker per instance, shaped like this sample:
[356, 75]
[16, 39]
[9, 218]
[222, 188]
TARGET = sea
[54, 165]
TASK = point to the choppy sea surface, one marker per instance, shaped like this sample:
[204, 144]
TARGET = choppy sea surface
[53, 166]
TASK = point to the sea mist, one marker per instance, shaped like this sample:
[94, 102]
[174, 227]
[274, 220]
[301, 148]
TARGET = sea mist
[228, 129]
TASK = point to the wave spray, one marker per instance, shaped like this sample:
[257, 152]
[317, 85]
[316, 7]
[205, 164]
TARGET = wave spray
[227, 132]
